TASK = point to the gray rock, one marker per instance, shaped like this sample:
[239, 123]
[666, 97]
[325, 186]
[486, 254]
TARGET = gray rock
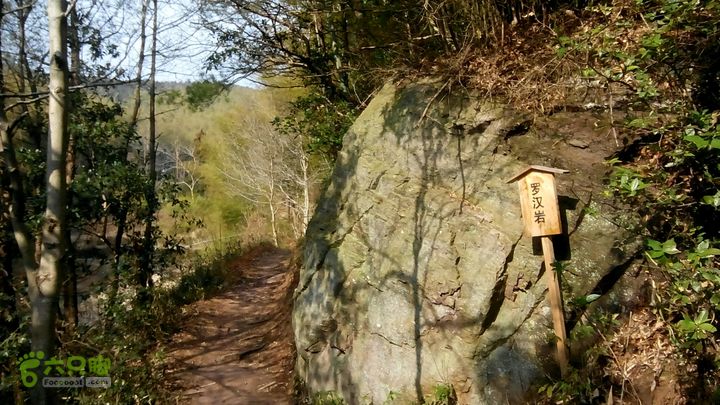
[416, 253]
[578, 143]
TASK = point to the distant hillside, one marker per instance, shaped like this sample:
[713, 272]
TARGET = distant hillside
[121, 93]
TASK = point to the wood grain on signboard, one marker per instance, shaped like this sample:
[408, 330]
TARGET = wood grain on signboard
[540, 215]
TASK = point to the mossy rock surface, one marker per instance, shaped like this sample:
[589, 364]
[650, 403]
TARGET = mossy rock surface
[416, 270]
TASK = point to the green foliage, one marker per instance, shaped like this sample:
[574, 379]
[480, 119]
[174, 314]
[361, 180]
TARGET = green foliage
[626, 181]
[327, 398]
[687, 170]
[584, 384]
[200, 95]
[677, 189]
[210, 134]
[443, 394]
[585, 300]
[14, 344]
[652, 52]
[206, 273]
[32, 164]
[171, 97]
[576, 387]
[669, 52]
[661, 251]
[319, 120]
[698, 329]
[105, 182]
[694, 292]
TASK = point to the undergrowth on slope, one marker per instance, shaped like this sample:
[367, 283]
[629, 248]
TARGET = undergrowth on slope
[651, 66]
[657, 63]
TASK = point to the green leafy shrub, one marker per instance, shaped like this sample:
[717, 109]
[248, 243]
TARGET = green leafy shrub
[660, 57]
[320, 121]
[199, 95]
[327, 398]
[443, 394]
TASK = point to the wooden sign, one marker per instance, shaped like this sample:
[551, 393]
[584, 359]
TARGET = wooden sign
[538, 200]
[539, 205]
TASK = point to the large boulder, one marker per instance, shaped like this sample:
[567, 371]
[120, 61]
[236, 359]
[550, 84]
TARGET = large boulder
[416, 269]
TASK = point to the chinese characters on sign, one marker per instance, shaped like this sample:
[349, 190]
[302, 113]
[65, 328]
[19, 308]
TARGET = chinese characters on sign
[538, 202]
[539, 214]
[64, 373]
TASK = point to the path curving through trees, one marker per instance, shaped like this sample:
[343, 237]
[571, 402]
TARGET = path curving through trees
[237, 347]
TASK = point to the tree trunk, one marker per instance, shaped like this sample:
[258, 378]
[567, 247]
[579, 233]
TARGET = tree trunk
[146, 269]
[141, 60]
[271, 203]
[122, 216]
[23, 237]
[306, 191]
[33, 127]
[16, 212]
[50, 269]
[70, 298]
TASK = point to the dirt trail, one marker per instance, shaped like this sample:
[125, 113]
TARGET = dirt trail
[236, 348]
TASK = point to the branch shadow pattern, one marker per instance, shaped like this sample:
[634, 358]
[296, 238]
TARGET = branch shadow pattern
[416, 271]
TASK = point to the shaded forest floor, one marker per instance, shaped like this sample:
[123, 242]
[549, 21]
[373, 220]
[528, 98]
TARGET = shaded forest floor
[237, 347]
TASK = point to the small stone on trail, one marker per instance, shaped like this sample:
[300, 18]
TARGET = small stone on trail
[578, 143]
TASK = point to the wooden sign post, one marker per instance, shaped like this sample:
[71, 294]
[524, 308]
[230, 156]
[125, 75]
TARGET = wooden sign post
[541, 215]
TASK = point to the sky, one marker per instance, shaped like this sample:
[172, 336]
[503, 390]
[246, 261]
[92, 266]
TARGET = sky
[184, 45]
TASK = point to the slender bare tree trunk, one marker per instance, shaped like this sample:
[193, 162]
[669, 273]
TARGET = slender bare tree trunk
[70, 298]
[306, 191]
[146, 268]
[22, 234]
[271, 202]
[141, 61]
[23, 13]
[122, 215]
[74, 43]
[152, 152]
[33, 127]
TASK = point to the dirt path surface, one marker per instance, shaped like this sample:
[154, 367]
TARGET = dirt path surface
[236, 348]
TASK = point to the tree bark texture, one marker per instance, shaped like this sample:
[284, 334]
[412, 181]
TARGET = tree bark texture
[50, 269]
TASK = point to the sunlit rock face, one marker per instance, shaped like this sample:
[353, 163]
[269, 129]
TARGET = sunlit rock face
[416, 269]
